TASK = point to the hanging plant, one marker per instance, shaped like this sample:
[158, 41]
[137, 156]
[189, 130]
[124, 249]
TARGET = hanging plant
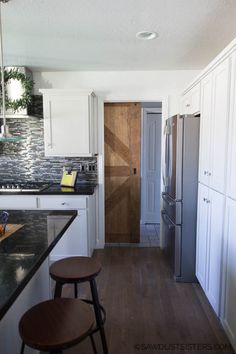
[27, 85]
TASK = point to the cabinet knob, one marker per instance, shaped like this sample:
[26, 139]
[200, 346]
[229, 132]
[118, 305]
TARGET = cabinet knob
[204, 199]
[205, 172]
[64, 203]
[209, 173]
[188, 105]
[208, 201]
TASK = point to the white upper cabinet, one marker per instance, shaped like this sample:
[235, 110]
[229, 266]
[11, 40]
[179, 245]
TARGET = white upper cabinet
[231, 179]
[214, 127]
[205, 128]
[191, 101]
[70, 122]
[220, 114]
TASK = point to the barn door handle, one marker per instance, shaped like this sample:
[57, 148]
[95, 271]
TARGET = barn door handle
[135, 171]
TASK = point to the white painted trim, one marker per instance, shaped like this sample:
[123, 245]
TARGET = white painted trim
[101, 162]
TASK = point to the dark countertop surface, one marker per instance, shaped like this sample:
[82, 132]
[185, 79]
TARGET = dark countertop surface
[56, 189]
[22, 253]
[80, 189]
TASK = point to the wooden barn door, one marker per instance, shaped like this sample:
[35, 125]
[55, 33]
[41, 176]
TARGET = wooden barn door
[122, 172]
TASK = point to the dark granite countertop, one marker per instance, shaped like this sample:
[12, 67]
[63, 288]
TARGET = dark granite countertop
[22, 253]
[80, 189]
[56, 189]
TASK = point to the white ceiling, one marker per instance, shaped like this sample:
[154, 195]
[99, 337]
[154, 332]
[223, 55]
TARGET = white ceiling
[100, 34]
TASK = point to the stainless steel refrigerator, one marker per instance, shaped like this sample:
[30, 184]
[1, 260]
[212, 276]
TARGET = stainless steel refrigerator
[179, 200]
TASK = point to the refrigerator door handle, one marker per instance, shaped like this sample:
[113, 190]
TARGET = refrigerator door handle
[164, 197]
[167, 220]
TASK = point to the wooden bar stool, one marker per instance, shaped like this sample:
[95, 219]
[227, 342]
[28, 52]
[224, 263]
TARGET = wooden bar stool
[55, 325]
[75, 270]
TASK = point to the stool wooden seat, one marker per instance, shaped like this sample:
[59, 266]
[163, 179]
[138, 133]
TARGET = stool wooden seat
[75, 270]
[55, 325]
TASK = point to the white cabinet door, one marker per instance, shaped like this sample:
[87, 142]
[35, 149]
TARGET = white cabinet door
[214, 248]
[69, 123]
[229, 311]
[219, 126]
[214, 127]
[202, 230]
[231, 170]
[209, 243]
[205, 128]
[74, 242]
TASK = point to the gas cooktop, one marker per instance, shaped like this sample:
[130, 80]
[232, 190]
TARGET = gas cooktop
[23, 187]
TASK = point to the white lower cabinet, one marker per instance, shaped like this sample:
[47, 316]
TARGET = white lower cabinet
[229, 274]
[80, 237]
[209, 243]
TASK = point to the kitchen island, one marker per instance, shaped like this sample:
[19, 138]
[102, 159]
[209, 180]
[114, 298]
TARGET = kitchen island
[24, 277]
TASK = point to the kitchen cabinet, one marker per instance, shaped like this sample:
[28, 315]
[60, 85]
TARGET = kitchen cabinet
[80, 237]
[209, 243]
[70, 122]
[214, 127]
[229, 274]
[231, 169]
[191, 100]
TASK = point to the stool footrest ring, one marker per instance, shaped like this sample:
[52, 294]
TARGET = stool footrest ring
[101, 308]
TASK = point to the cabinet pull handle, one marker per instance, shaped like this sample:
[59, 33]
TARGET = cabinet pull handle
[64, 203]
[135, 171]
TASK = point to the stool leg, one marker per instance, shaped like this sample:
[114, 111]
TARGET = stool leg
[22, 348]
[58, 290]
[75, 290]
[93, 345]
[98, 314]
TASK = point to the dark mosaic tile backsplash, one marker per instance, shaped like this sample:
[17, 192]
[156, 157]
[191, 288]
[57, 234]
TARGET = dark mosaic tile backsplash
[25, 160]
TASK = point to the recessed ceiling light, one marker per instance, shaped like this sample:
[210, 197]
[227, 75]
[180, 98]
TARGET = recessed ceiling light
[146, 35]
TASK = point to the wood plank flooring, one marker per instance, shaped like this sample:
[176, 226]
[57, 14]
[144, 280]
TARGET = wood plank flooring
[147, 311]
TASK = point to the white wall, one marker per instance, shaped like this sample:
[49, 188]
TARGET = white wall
[123, 85]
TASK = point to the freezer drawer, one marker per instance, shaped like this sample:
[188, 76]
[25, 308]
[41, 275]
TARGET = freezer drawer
[172, 243]
[172, 208]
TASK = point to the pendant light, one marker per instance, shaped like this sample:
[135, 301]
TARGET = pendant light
[4, 133]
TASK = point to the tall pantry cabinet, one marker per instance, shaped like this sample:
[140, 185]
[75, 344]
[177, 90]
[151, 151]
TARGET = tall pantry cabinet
[229, 259]
[212, 171]
[216, 220]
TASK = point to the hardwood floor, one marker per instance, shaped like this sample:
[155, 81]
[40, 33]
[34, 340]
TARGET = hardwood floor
[147, 309]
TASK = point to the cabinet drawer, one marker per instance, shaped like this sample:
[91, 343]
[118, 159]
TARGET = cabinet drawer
[18, 202]
[62, 202]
